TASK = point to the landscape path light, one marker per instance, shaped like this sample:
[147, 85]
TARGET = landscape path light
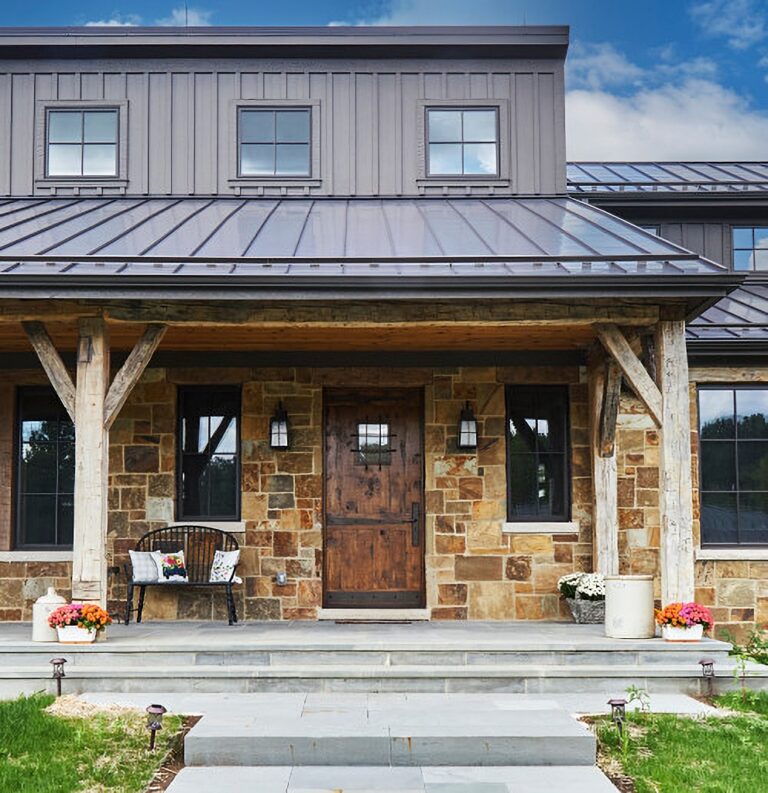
[155, 715]
[58, 672]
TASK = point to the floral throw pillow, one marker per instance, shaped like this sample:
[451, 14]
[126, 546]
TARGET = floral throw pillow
[144, 565]
[224, 563]
[171, 567]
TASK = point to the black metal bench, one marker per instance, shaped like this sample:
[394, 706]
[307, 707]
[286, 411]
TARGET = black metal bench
[199, 544]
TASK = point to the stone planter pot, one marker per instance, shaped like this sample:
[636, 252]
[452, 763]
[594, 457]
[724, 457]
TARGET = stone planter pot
[671, 633]
[74, 634]
[587, 612]
[629, 607]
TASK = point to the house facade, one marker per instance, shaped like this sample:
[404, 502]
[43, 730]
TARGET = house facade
[334, 291]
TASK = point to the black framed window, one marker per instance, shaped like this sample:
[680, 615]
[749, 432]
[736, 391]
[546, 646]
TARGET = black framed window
[750, 247]
[538, 477]
[274, 142]
[81, 142]
[45, 481]
[733, 463]
[209, 453]
[463, 142]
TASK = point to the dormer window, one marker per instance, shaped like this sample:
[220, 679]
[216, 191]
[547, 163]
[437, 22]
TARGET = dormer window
[274, 142]
[462, 141]
[82, 143]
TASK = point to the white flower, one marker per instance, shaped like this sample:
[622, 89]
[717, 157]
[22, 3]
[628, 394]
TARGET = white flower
[591, 586]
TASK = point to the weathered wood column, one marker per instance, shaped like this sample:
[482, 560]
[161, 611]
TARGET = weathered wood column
[604, 381]
[89, 560]
[675, 490]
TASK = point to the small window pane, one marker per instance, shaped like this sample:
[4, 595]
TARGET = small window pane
[718, 465]
[222, 476]
[444, 126]
[99, 159]
[480, 125]
[760, 260]
[223, 434]
[39, 468]
[100, 127]
[752, 413]
[719, 518]
[550, 484]
[67, 464]
[445, 158]
[742, 238]
[65, 516]
[523, 486]
[293, 126]
[38, 517]
[761, 237]
[716, 409]
[292, 159]
[373, 443]
[753, 465]
[742, 260]
[753, 518]
[64, 160]
[257, 126]
[257, 159]
[65, 126]
[479, 158]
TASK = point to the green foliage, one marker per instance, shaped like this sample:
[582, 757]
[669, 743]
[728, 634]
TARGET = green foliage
[678, 754]
[747, 702]
[641, 696]
[42, 753]
[755, 649]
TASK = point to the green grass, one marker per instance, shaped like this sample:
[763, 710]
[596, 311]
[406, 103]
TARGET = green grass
[746, 702]
[41, 753]
[678, 754]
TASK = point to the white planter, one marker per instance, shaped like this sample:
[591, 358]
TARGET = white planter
[74, 634]
[41, 610]
[629, 607]
[671, 633]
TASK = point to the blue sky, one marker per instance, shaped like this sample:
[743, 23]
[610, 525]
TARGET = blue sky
[674, 79]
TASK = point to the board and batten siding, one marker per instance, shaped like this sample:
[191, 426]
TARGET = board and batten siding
[711, 240]
[181, 138]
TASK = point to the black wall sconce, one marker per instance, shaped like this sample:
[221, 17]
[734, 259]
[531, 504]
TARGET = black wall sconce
[278, 428]
[467, 434]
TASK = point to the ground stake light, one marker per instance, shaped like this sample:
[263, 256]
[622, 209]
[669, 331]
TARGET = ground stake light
[708, 673]
[155, 715]
[58, 672]
[618, 713]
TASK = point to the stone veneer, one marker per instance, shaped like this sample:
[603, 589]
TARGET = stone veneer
[474, 569]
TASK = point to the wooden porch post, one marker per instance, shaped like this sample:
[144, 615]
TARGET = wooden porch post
[89, 566]
[676, 497]
[604, 379]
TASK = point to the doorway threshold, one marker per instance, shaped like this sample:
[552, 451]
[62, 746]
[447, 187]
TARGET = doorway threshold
[373, 615]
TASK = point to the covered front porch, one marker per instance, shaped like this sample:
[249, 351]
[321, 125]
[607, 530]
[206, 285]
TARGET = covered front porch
[568, 300]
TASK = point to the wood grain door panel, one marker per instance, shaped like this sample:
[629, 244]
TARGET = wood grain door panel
[374, 537]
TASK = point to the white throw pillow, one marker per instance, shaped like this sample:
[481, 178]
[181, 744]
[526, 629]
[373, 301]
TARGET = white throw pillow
[224, 563]
[171, 567]
[144, 565]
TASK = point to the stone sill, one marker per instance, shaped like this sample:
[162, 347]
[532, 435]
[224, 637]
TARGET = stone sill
[732, 554]
[565, 527]
[35, 556]
[231, 526]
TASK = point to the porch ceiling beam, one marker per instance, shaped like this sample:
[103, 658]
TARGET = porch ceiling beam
[53, 365]
[131, 371]
[616, 344]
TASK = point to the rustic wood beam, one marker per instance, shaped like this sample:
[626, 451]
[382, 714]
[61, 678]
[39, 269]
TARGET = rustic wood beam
[609, 413]
[637, 377]
[675, 487]
[89, 566]
[604, 475]
[52, 363]
[131, 371]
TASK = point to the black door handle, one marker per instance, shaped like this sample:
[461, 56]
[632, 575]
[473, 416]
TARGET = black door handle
[415, 523]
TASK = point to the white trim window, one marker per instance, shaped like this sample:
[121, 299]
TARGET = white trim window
[82, 142]
[274, 141]
[462, 141]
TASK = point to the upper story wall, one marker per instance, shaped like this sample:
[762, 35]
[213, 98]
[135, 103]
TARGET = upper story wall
[179, 132]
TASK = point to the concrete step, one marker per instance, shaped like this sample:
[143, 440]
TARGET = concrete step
[604, 678]
[447, 779]
[390, 730]
[373, 615]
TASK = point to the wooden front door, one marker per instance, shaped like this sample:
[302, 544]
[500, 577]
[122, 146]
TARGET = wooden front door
[374, 524]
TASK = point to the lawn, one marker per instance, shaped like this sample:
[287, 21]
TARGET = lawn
[93, 750]
[679, 754]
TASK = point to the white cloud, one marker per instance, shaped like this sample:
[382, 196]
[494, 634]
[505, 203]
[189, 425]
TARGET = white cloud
[186, 17]
[116, 21]
[743, 23]
[597, 66]
[444, 12]
[692, 119]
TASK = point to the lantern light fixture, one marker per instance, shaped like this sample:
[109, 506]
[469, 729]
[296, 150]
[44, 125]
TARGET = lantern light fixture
[155, 715]
[58, 672]
[618, 713]
[708, 673]
[467, 434]
[278, 428]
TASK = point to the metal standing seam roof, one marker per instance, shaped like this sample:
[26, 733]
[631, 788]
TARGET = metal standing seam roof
[228, 236]
[667, 177]
[741, 316]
